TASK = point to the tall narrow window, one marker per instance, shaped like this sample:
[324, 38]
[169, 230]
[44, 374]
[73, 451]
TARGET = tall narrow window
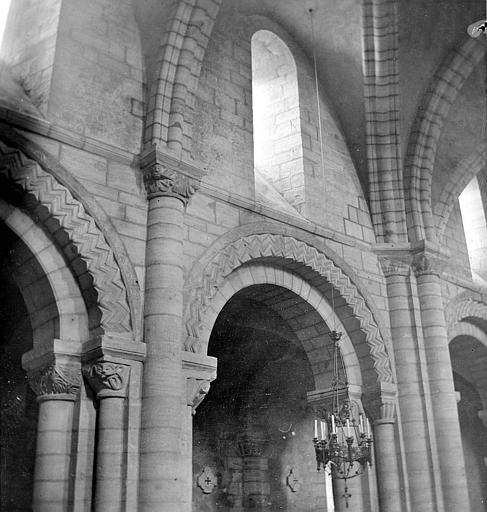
[278, 148]
[4, 8]
[475, 227]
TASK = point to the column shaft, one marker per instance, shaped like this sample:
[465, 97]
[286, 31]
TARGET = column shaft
[110, 456]
[53, 453]
[447, 428]
[413, 393]
[350, 492]
[164, 484]
[387, 467]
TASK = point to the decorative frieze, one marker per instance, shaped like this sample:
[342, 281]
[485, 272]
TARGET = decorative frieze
[56, 380]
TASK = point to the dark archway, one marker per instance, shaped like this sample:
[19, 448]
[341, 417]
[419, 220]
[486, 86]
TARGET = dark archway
[254, 429]
[18, 406]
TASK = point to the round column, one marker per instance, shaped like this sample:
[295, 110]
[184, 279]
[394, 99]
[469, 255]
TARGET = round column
[427, 267]
[165, 471]
[109, 380]
[57, 387]
[387, 467]
[347, 495]
[256, 487]
[413, 393]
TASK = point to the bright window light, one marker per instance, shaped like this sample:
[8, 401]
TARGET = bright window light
[475, 227]
[4, 7]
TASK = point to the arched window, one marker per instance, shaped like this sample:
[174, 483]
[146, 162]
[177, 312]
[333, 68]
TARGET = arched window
[278, 144]
[4, 8]
[473, 216]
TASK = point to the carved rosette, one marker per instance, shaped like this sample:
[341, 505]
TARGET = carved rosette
[56, 381]
[196, 391]
[162, 181]
[107, 378]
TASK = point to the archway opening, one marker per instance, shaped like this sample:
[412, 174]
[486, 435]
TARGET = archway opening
[255, 427]
[469, 358]
[18, 406]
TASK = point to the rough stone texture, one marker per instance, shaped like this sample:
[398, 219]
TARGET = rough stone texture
[90, 93]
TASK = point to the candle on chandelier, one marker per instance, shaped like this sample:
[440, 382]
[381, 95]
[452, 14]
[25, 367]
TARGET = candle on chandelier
[333, 428]
[348, 428]
[368, 427]
[322, 431]
[361, 423]
[316, 429]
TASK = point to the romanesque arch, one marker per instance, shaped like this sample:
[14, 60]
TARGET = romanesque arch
[284, 251]
[59, 297]
[172, 92]
[63, 217]
[426, 131]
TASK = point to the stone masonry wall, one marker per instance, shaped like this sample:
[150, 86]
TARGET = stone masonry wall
[29, 46]
[97, 84]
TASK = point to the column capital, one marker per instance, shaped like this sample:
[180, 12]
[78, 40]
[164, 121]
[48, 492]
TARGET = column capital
[395, 259]
[381, 402]
[428, 259]
[165, 175]
[54, 369]
[107, 378]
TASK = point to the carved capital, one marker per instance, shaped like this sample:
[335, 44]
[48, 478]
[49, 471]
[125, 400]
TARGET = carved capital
[394, 267]
[196, 391]
[425, 263]
[252, 443]
[381, 402]
[107, 378]
[56, 381]
[162, 181]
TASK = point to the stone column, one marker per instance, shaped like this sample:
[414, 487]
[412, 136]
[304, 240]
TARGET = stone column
[347, 495]
[54, 373]
[420, 465]
[109, 380]
[428, 265]
[255, 471]
[386, 451]
[165, 476]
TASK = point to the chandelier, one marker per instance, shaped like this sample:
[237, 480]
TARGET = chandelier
[343, 444]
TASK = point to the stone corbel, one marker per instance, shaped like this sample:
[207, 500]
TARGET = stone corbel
[199, 371]
[54, 370]
[165, 175]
